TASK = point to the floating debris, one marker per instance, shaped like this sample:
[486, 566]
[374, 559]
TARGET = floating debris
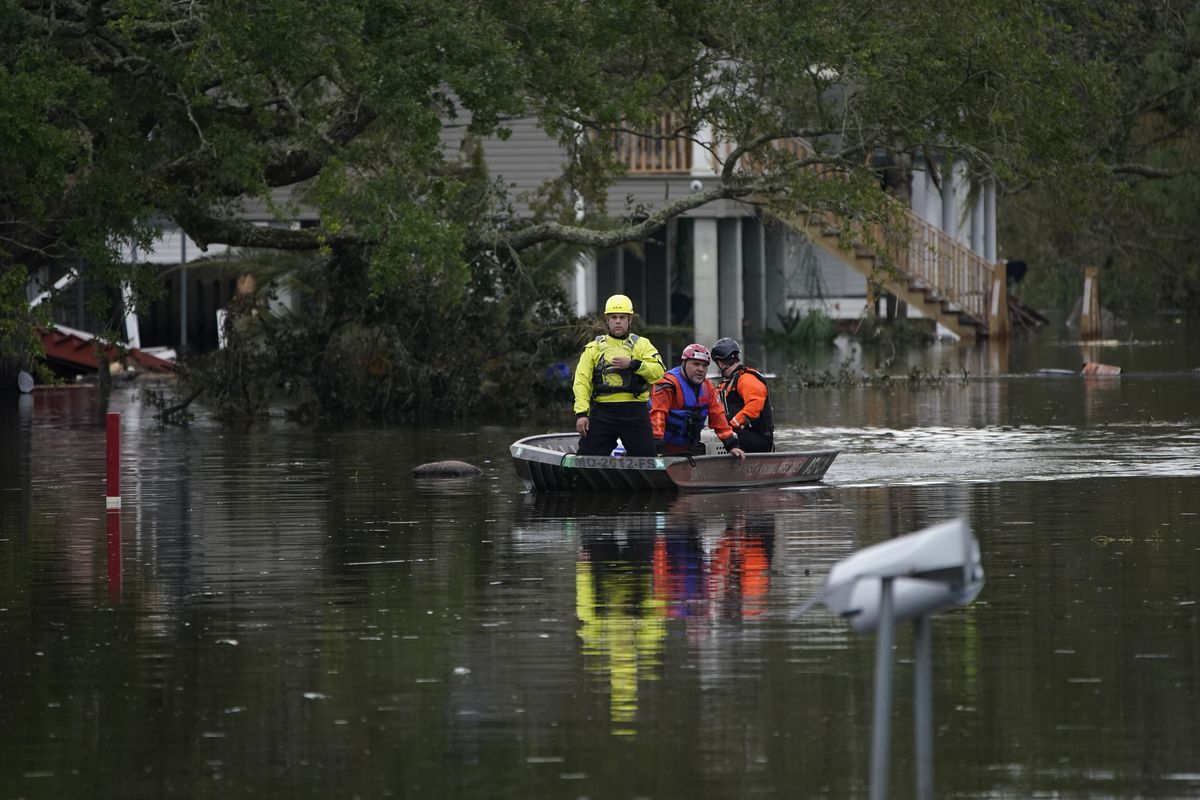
[446, 469]
[1092, 369]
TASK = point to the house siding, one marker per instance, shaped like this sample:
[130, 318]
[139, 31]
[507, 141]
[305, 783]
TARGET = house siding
[524, 162]
[529, 158]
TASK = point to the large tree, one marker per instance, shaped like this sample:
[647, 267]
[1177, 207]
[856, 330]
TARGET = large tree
[117, 113]
[1136, 218]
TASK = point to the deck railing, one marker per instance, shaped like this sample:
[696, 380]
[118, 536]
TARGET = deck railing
[947, 266]
[657, 151]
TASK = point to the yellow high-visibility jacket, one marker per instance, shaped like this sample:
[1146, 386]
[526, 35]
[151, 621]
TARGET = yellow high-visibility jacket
[598, 382]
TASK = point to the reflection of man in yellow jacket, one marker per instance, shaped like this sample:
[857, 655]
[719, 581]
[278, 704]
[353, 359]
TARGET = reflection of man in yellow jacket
[612, 386]
[621, 625]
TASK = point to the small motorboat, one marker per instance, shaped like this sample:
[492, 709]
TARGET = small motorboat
[549, 462]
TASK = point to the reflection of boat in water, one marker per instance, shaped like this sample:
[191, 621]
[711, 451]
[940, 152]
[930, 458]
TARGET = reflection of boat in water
[575, 505]
[549, 462]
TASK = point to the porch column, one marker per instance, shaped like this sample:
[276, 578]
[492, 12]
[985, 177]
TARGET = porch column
[705, 310]
[998, 323]
[731, 308]
[633, 280]
[702, 152]
[989, 220]
[754, 286]
[183, 292]
[775, 258]
[919, 179]
[949, 199]
[38, 283]
[658, 250]
[978, 224]
[583, 284]
[1090, 326]
[133, 336]
[610, 275]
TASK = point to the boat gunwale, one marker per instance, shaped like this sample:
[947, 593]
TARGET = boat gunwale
[529, 450]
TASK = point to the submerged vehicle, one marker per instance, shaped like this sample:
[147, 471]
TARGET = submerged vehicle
[549, 462]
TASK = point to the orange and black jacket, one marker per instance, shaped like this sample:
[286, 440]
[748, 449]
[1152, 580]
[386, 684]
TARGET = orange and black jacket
[670, 395]
[746, 400]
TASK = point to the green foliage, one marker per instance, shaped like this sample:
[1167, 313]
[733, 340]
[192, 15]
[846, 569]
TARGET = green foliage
[875, 330]
[126, 111]
[1136, 219]
[20, 345]
[849, 375]
[114, 116]
[801, 331]
[411, 353]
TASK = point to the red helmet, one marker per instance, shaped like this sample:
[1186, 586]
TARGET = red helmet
[696, 351]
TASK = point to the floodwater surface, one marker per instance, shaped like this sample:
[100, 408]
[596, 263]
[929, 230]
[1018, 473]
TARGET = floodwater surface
[291, 614]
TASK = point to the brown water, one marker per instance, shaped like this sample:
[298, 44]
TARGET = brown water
[294, 615]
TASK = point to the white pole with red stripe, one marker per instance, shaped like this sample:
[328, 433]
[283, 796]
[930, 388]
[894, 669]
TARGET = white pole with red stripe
[112, 502]
[113, 499]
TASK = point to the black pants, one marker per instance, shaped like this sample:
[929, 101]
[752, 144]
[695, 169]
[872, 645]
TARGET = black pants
[607, 421]
[756, 441]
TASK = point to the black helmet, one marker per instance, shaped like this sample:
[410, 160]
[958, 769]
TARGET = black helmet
[726, 349]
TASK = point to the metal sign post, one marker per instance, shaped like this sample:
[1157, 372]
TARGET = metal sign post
[881, 729]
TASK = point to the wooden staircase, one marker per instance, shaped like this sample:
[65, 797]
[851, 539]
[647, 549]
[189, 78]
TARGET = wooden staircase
[940, 277]
[930, 270]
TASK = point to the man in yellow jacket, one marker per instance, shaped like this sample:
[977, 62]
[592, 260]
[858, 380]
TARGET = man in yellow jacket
[612, 386]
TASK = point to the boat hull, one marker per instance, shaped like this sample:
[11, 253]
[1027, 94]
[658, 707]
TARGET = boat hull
[549, 463]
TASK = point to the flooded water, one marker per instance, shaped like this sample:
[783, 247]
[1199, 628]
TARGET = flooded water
[290, 613]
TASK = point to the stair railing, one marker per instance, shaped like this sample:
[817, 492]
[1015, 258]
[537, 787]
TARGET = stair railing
[927, 259]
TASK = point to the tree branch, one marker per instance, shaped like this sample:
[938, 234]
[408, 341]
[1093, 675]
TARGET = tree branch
[1147, 171]
[205, 229]
[300, 165]
[554, 231]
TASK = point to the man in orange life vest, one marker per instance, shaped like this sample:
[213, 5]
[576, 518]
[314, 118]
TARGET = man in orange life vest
[745, 398]
[683, 401]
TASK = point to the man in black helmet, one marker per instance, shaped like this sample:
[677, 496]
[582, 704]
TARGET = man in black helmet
[746, 398]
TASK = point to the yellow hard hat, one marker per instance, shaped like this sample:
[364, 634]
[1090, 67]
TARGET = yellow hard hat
[618, 304]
